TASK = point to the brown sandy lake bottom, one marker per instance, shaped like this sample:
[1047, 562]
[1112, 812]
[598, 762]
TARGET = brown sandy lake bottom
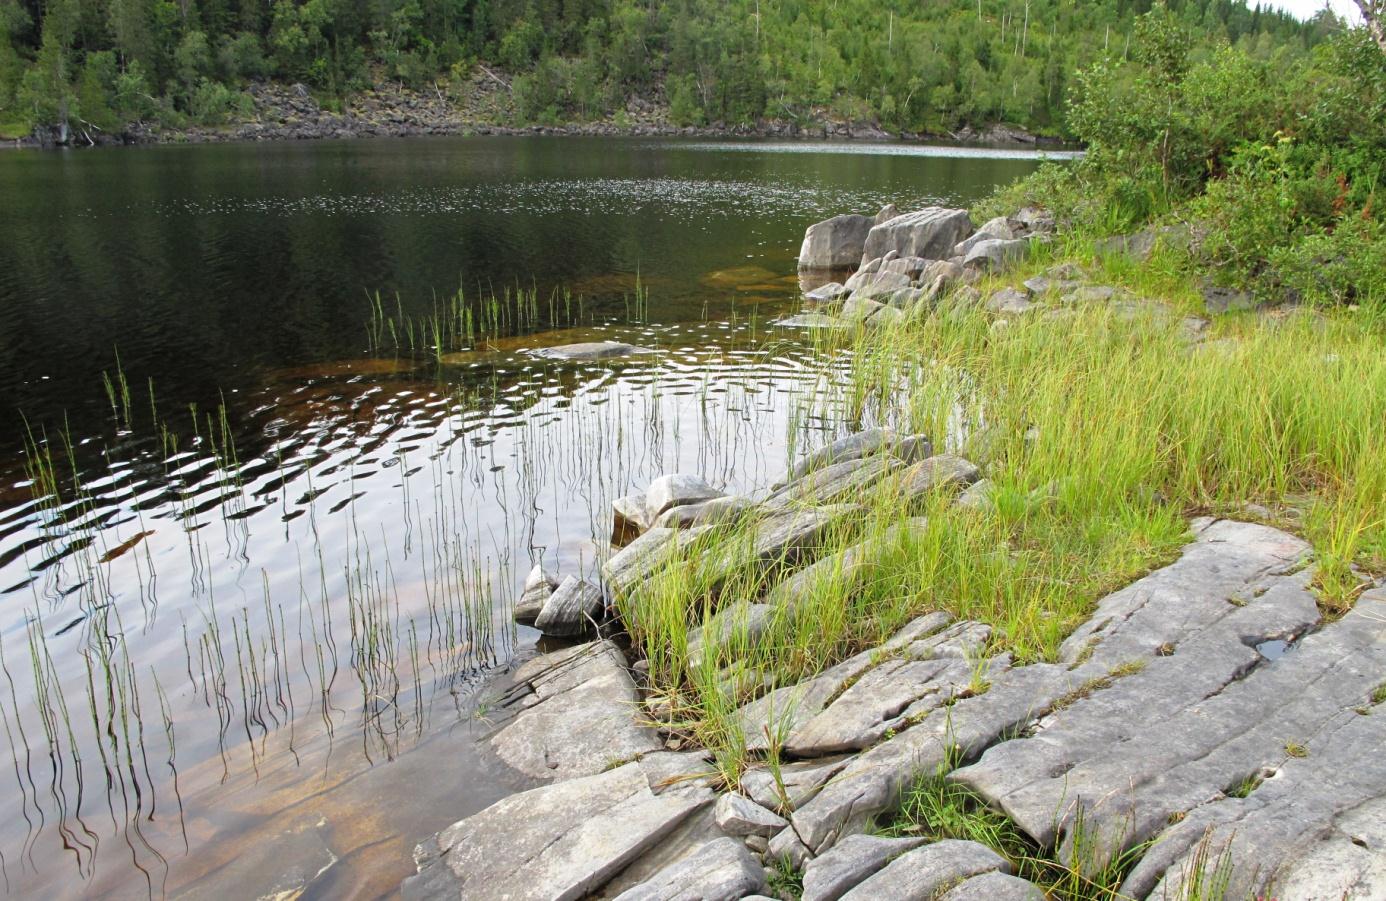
[256, 558]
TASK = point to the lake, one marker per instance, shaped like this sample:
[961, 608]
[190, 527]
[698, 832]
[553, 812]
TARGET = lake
[279, 451]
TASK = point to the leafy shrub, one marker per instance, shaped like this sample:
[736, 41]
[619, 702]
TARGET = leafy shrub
[213, 103]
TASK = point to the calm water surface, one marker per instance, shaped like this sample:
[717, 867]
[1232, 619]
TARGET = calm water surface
[258, 534]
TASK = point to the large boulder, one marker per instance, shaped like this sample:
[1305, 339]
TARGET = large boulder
[835, 243]
[930, 233]
[995, 254]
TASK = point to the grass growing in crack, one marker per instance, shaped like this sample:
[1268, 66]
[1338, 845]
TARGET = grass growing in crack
[1101, 428]
[938, 809]
[784, 880]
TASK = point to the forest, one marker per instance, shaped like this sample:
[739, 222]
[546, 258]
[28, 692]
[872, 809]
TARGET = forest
[917, 67]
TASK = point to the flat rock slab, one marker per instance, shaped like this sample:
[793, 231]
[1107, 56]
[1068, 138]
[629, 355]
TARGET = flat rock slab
[853, 860]
[927, 871]
[1315, 829]
[844, 480]
[558, 841]
[740, 621]
[577, 715]
[840, 571]
[727, 508]
[797, 782]
[644, 556]
[591, 350]
[574, 608]
[722, 870]
[1149, 748]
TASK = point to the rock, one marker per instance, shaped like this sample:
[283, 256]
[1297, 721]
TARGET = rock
[926, 872]
[940, 472]
[797, 782]
[907, 298]
[1009, 302]
[885, 317]
[996, 229]
[854, 446]
[629, 519]
[559, 841]
[737, 815]
[1217, 300]
[1089, 294]
[1141, 245]
[842, 480]
[574, 607]
[812, 321]
[930, 233]
[965, 298]
[785, 846]
[1033, 220]
[838, 572]
[576, 716]
[876, 284]
[996, 255]
[887, 213]
[722, 870]
[590, 350]
[826, 293]
[913, 448]
[644, 556]
[977, 496]
[676, 489]
[859, 309]
[941, 269]
[852, 860]
[874, 781]
[893, 694]
[297, 861]
[726, 508]
[742, 620]
[994, 886]
[539, 584]
[835, 243]
[908, 266]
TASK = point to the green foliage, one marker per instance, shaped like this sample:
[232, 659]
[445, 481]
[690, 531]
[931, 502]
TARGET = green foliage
[926, 67]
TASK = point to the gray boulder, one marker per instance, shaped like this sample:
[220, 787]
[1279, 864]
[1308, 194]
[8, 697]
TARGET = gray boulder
[1217, 299]
[849, 862]
[828, 293]
[1089, 294]
[726, 508]
[721, 870]
[854, 446]
[880, 282]
[539, 584]
[996, 255]
[1033, 220]
[930, 233]
[1009, 302]
[859, 309]
[740, 619]
[887, 213]
[644, 556]
[910, 266]
[574, 608]
[996, 229]
[835, 243]
[994, 886]
[629, 518]
[676, 489]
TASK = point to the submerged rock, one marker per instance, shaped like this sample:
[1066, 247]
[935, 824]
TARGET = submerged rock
[812, 321]
[576, 715]
[591, 350]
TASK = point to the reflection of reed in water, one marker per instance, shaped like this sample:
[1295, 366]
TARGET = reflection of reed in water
[339, 550]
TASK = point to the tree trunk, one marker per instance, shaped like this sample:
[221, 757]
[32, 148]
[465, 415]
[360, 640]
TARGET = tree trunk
[1374, 14]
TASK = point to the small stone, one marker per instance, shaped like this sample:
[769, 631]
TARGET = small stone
[757, 844]
[786, 846]
[1089, 294]
[737, 815]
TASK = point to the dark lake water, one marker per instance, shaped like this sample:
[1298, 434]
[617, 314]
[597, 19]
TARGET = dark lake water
[258, 533]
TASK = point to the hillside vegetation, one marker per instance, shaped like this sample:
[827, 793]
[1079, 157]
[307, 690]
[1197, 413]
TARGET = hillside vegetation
[101, 64]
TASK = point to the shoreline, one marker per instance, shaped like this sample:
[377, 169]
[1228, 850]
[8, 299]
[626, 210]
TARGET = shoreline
[292, 113]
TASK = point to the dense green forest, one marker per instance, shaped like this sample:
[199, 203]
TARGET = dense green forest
[911, 66]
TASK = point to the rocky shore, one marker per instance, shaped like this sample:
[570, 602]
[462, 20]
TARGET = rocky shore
[1207, 715]
[481, 105]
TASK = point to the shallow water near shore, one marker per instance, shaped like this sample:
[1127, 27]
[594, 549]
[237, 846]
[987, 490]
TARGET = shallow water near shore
[258, 535]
